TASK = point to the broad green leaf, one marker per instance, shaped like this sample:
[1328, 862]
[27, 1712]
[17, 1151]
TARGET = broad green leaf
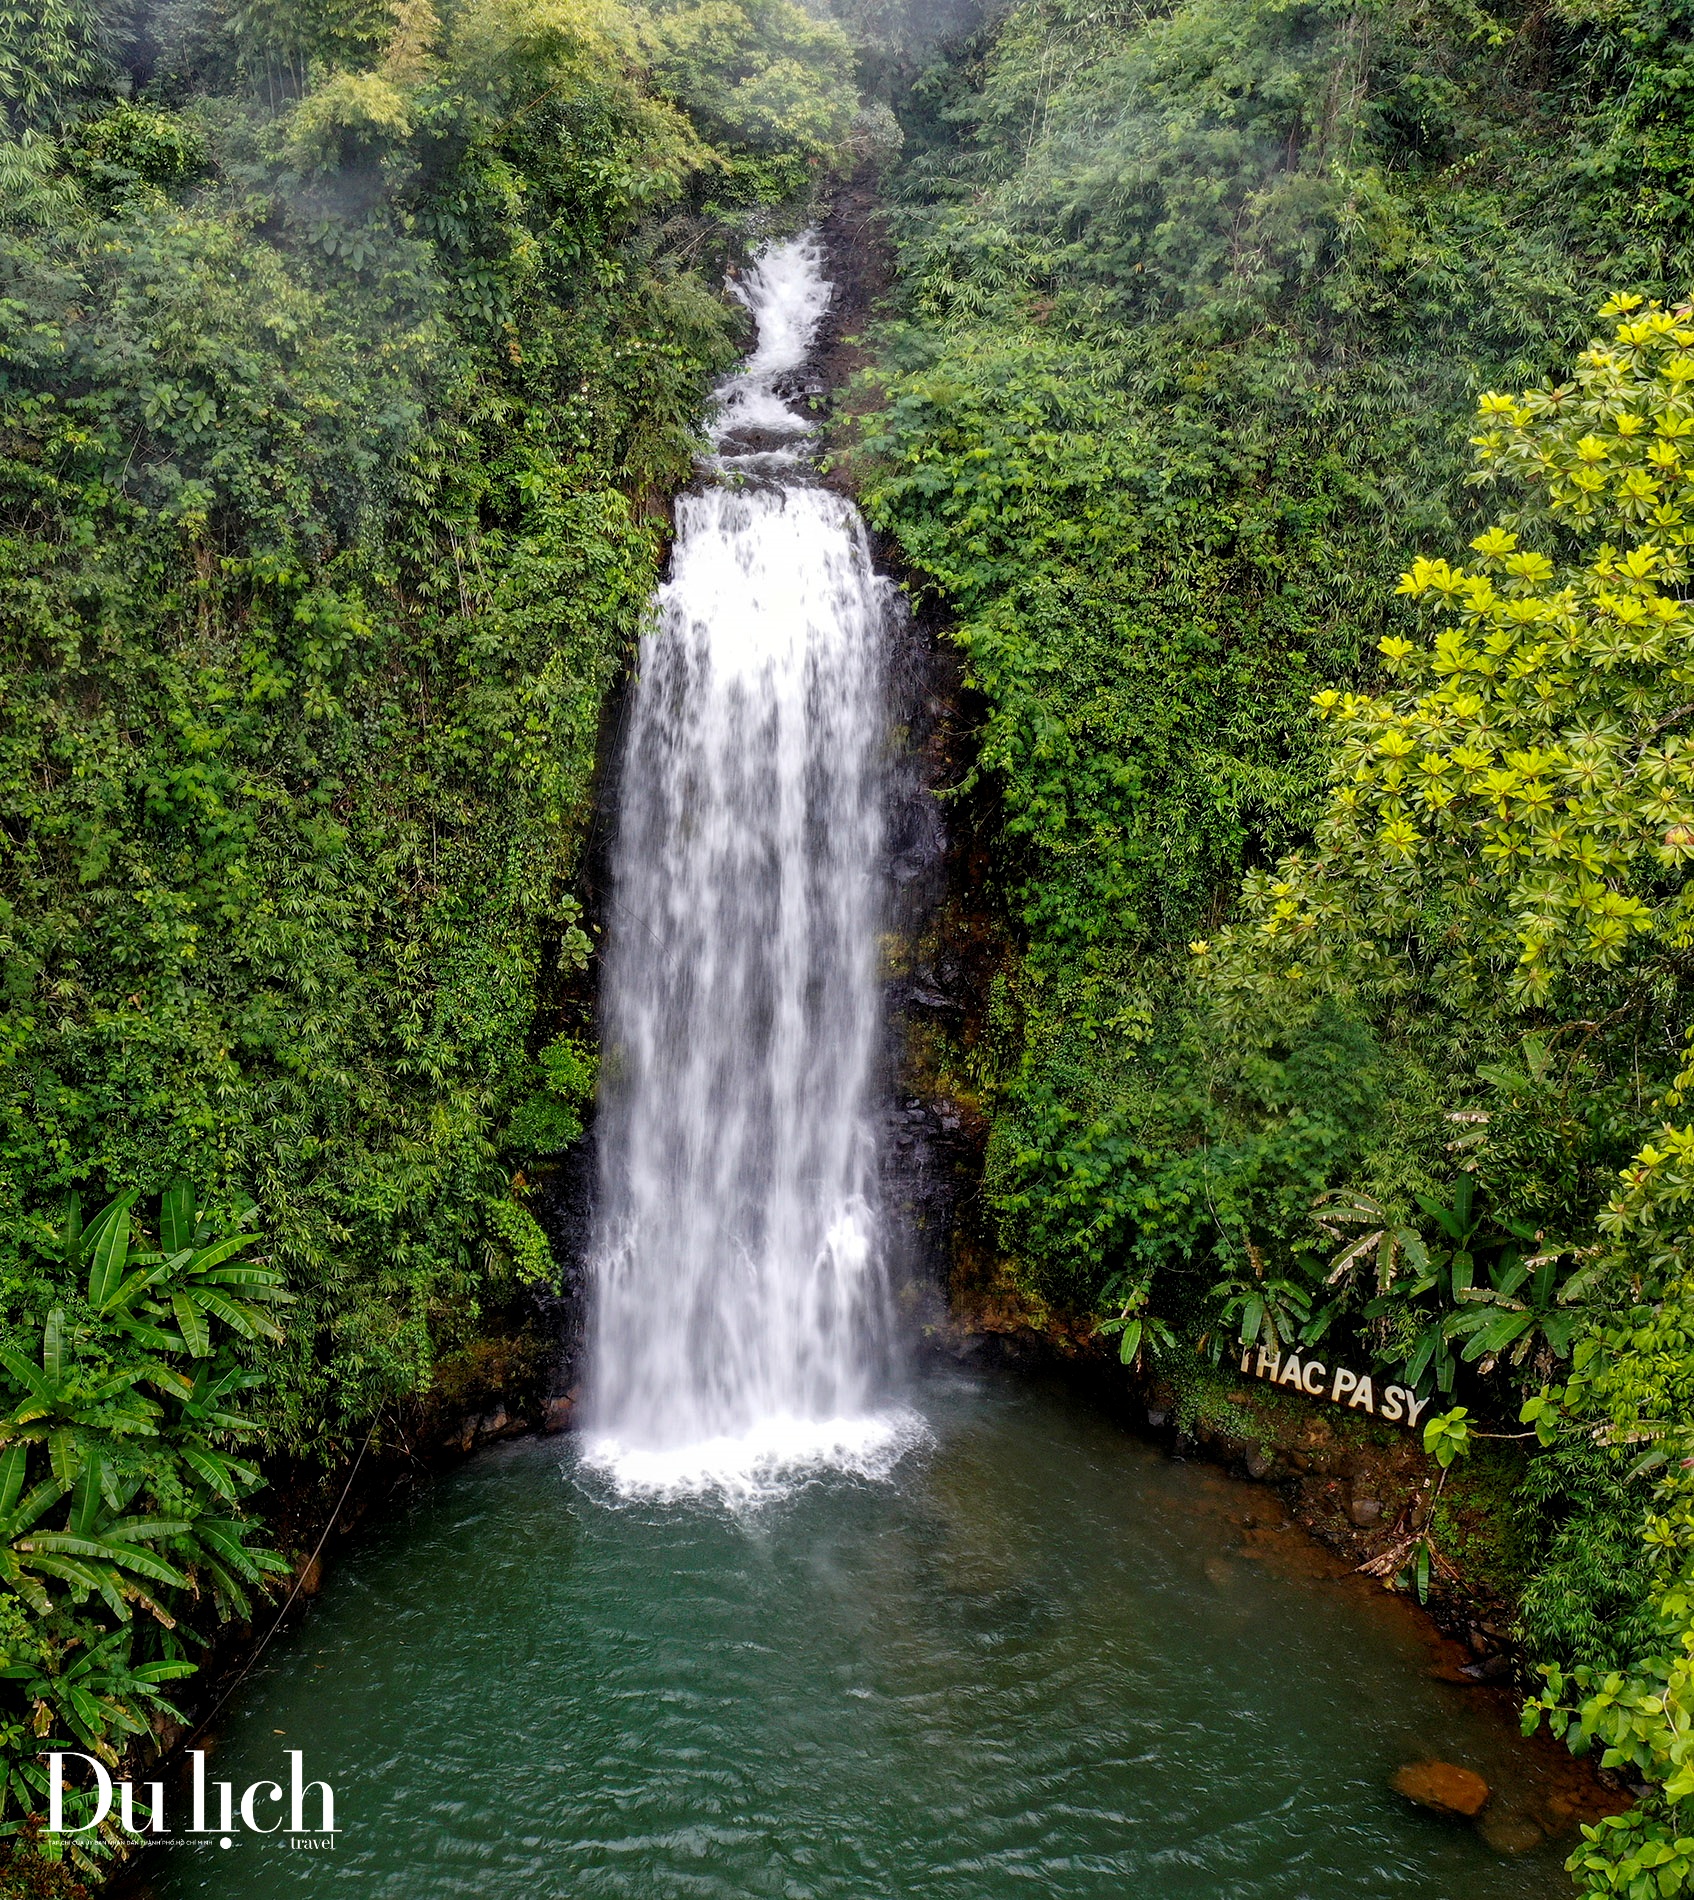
[262, 1283]
[14, 1465]
[177, 1216]
[85, 1496]
[246, 1320]
[109, 1259]
[136, 1557]
[34, 1506]
[53, 1347]
[220, 1250]
[65, 1454]
[196, 1334]
[217, 1470]
[26, 1373]
[95, 1231]
[165, 1671]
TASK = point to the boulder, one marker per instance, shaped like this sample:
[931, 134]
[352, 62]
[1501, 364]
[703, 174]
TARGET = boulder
[1442, 1787]
[1365, 1512]
[556, 1415]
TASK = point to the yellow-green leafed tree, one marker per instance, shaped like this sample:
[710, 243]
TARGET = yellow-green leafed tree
[1519, 801]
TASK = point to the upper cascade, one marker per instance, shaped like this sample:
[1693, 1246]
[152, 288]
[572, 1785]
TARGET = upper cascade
[753, 429]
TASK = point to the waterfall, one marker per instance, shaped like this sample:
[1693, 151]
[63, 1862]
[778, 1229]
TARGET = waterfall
[741, 1334]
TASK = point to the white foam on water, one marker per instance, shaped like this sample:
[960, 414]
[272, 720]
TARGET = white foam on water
[769, 1461]
[788, 294]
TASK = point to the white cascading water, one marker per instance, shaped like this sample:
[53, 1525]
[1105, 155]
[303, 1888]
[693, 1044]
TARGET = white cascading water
[741, 1327]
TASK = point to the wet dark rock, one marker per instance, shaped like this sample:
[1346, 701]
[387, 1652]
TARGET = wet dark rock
[1557, 1813]
[1258, 1465]
[564, 1205]
[1365, 1512]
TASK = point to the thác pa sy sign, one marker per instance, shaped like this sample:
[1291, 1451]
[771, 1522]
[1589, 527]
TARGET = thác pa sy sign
[1396, 1404]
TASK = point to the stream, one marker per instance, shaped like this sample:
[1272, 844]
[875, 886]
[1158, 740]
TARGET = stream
[788, 1617]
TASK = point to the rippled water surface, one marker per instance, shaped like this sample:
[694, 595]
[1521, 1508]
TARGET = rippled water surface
[1042, 1660]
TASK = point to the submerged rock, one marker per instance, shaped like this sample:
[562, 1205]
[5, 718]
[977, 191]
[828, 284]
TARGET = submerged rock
[1442, 1787]
[1447, 1669]
[1510, 1833]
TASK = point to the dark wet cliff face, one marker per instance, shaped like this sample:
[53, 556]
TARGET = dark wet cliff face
[930, 1149]
[945, 939]
[917, 1173]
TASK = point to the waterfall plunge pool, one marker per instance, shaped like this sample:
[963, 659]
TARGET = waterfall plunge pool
[1038, 1659]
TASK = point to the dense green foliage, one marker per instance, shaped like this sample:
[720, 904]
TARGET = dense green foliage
[328, 430]
[347, 352]
[1197, 306]
[1502, 845]
[122, 1414]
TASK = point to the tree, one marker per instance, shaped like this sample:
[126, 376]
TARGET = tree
[1519, 807]
[50, 50]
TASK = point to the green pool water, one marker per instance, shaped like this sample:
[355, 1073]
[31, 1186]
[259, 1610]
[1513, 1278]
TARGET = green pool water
[1043, 1660]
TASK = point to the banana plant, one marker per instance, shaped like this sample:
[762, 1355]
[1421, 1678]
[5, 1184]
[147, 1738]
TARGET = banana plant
[61, 1399]
[95, 1695]
[100, 1548]
[1430, 1285]
[1268, 1307]
[100, 1691]
[97, 1550]
[1525, 1307]
[192, 1279]
[70, 1415]
[1138, 1330]
[1385, 1239]
[134, 1401]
